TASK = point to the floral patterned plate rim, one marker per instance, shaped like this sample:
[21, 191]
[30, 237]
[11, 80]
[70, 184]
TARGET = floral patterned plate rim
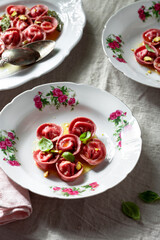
[60, 102]
[72, 14]
[120, 39]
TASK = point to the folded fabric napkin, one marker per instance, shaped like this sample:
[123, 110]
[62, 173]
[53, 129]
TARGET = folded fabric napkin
[14, 201]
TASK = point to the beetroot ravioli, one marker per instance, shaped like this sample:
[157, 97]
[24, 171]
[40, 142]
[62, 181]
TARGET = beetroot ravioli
[152, 36]
[149, 53]
[69, 143]
[67, 170]
[144, 56]
[80, 125]
[94, 152]
[44, 160]
[50, 131]
[20, 25]
[67, 152]
[47, 23]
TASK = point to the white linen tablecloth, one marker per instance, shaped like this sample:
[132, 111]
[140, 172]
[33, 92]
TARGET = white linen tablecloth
[99, 217]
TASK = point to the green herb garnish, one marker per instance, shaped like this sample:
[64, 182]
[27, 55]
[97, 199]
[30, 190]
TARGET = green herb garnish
[45, 144]
[149, 48]
[84, 137]
[60, 23]
[68, 156]
[149, 196]
[5, 23]
[131, 210]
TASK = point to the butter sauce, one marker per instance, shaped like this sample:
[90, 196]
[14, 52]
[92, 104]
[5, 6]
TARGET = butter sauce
[9, 69]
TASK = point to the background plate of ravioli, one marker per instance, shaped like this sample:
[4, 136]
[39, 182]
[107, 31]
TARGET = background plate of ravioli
[128, 27]
[116, 128]
[72, 15]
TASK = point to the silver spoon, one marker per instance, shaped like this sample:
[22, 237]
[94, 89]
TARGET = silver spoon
[29, 54]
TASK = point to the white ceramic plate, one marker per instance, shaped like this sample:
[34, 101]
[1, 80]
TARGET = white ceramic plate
[72, 15]
[121, 135]
[129, 26]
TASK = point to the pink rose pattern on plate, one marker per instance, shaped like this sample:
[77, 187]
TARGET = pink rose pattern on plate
[7, 146]
[56, 96]
[152, 11]
[115, 44]
[75, 190]
[117, 118]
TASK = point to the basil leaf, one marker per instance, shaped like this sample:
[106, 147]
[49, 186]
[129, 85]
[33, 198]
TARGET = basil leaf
[45, 144]
[149, 48]
[55, 15]
[5, 23]
[131, 210]
[68, 156]
[149, 196]
[84, 137]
